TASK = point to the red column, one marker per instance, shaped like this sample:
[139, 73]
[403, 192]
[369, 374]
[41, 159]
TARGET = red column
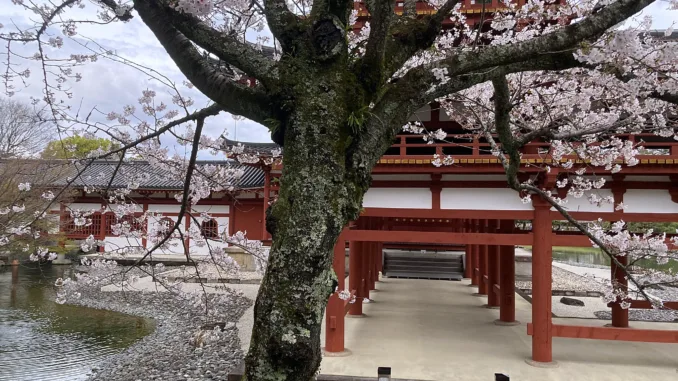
[380, 258]
[267, 192]
[355, 277]
[334, 315]
[482, 261]
[365, 259]
[372, 256]
[620, 316]
[492, 268]
[467, 253]
[507, 279]
[541, 282]
[475, 255]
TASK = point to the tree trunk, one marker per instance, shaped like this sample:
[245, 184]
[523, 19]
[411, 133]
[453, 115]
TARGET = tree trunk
[317, 198]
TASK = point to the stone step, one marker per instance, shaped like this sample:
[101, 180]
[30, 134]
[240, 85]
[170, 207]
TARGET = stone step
[422, 267]
[424, 275]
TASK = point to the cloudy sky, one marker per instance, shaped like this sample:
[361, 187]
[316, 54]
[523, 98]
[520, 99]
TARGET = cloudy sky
[109, 85]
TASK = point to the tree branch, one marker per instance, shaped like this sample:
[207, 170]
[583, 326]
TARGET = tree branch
[283, 23]
[564, 39]
[502, 121]
[231, 96]
[225, 46]
[371, 67]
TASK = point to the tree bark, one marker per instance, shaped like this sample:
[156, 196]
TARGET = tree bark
[317, 197]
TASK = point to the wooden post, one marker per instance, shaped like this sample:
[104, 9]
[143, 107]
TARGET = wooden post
[541, 283]
[380, 258]
[355, 275]
[373, 264]
[468, 268]
[620, 316]
[267, 193]
[334, 315]
[367, 271]
[475, 255]
[507, 279]
[482, 261]
[492, 268]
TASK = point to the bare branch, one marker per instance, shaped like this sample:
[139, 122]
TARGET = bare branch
[233, 97]
[565, 39]
[283, 23]
[227, 47]
[372, 66]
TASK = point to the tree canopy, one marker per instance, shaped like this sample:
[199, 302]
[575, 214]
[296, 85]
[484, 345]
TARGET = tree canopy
[77, 147]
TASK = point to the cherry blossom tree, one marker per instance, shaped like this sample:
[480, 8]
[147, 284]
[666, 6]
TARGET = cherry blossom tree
[334, 98]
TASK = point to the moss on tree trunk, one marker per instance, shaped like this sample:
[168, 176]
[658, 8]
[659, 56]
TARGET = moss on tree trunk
[317, 198]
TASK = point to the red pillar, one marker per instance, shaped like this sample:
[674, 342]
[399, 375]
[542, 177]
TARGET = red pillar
[372, 256]
[334, 315]
[620, 316]
[380, 258]
[541, 282]
[366, 273]
[507, 279]
[482, 262]
[492, 268]
[267, 193]
[467, 253]
[475, 255]
[355, 277]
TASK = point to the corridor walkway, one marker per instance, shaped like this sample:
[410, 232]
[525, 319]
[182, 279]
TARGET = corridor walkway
[436, 330]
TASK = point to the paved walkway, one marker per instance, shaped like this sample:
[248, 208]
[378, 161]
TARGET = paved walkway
[436, 330]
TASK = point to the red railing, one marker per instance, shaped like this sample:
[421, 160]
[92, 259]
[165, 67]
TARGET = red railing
[466, 146]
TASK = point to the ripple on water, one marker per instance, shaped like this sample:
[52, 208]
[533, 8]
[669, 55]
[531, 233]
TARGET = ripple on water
[40, 340]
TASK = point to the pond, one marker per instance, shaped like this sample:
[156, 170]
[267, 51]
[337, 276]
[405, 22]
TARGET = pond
[597, 258]
[42, 340]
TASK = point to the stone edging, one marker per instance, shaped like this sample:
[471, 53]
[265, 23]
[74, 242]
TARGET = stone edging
[566, 292]
[236, 374]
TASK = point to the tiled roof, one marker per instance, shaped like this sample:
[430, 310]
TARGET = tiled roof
[253, 147]
[99, 173]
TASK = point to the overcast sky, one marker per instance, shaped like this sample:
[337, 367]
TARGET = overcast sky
[109, 85]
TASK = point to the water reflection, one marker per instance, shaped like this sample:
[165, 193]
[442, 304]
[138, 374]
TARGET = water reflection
[600, 259]
[42, 340]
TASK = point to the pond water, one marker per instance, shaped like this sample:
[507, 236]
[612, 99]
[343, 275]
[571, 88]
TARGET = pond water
[42, 340]
[597, 258]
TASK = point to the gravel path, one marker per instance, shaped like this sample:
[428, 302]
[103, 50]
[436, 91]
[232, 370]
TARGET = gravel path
[564, 280]
[170, 352]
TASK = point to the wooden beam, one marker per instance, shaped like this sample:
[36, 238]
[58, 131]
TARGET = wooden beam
[609, 333]
[439, 237]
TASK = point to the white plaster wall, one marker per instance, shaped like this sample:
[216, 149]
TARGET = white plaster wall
[84, 206]
[176, 246]
[423, 114]
[54, 223]
[443, 116]
[55, 207]
[210, 208]
[411, 177]
[204, 250]
[474, 178]
[164, 208]
[583, 205]
[649, 201]
[398, 198]
[137, 208]
[112, 243]
[481, 199]
[246, 195]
